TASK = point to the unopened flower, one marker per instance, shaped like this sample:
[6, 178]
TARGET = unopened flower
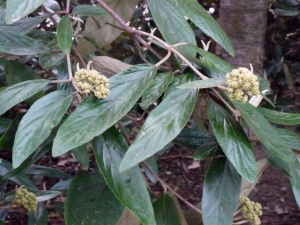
[26, 199]
[242, 84]
[251, 210]
[91, 81]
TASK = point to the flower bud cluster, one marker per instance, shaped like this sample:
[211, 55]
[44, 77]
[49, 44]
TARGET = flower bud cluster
[90, 81]
[251, 210]
[26, 199]
[242, 84]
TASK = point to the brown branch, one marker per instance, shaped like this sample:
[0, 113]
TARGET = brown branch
[130, 30]
[170, 189]
[124, 132]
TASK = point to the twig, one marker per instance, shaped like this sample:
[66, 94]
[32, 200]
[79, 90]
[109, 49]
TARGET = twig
[68, 6]
[124, 132]
[70, 73]
[81, 60]
[170, 189]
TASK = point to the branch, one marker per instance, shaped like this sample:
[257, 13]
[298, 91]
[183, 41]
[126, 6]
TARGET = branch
[170, 189]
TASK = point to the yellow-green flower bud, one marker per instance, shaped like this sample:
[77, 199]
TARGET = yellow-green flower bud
[26, 199]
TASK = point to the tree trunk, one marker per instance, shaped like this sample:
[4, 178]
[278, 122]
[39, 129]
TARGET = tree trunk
[244, 22]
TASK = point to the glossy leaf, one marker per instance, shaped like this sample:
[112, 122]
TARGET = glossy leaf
[178, 80]
[8, 137]
[280, 117]
[295, 181]
[44, 113]
[192, 138]
[17, 44]
[17, 9]
[25, 25]
[165, 211]
[206, 150]
[89, 10]
[49, 60]
[221, 193]
[16, 72]
[46, 171]
[93, 116]
[64, 32]
[105, 30]
[4, 124]
[20, 179]
[291, 138]
[63, 74]
[90, 201]
[247, 187]
[233, 141]
[39, 217]
[156, 88]
[129, 187]
[40, 152]
[200, 84]
[42, 196]
[202, 19]
[153, 164]
[159, 128]
[109, 66]
[268, 135]
[173, 25]
[81, 153]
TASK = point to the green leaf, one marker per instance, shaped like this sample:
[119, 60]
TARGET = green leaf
[105, 30]
[49, 60]
[221, 193]
[38, 122]
[20, 179]
[16, 72]
[17, 44]
[173, 25]
[200, 84]
[90, 201]
[267, 135]
[84, 123]
[39, 217]
[295, 181]
[192, 138]
[280, 117]
[89, 10]
[63, 74]
[202, 19]
[25, 25]
[153, 164]
[17, 9]
[206, 150]
[64, 32]
[42, 196]
[81, 153]
[287, 12]
[178, 80]
[8, 137]
[160, 128]
[4, 124]
[46, 171]
[291, 138]
[109, 66]
[165, 211]
[40, 152]
[156, 88]
[233, 141]
[129, 187]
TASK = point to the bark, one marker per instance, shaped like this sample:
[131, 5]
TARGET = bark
[244, 22]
